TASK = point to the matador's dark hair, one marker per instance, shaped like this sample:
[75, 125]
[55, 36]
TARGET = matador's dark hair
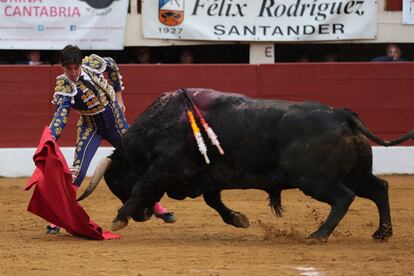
[70, 55]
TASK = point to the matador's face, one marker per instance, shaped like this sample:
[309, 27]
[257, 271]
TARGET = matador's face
[72, 71]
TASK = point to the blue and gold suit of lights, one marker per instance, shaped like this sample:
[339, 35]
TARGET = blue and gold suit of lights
[100, 114]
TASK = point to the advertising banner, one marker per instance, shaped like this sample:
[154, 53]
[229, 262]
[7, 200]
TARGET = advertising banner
[260, 20]
[408, 11]
[51, 24]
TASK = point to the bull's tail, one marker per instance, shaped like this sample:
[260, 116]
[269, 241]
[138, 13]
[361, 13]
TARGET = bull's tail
[355, 121]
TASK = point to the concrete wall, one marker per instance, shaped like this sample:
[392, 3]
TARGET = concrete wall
[18, 162]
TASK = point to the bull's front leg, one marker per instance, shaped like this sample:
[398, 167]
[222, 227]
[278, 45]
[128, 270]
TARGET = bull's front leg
[140, 203]
[131, 208]
[123, 216]
[142, 214]
[121, 219]
[213, 199]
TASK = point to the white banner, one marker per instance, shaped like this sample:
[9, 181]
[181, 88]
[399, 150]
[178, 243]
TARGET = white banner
[408, 11]
[260, 20]
[52, 24]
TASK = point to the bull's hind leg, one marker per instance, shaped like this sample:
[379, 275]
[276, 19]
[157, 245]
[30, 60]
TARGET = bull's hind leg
[376, 189]
[338, 196]
[213, 199]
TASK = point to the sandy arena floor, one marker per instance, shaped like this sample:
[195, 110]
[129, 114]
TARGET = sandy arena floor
[199, 243]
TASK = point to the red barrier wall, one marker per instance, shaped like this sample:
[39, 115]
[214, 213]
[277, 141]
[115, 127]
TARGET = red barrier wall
[382, 93]
[25, 104]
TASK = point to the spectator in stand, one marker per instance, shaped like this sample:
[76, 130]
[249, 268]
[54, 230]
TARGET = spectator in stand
[34, 57]
[141, 55]
[394, 53]
[331, 54]
[302, 55]
[186, 56]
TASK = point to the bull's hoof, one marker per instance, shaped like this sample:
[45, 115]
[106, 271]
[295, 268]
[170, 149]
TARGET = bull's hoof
[240, 220]
[317, 237]
[167, 217]
[383, 233]
[118, 224]
[315, 240]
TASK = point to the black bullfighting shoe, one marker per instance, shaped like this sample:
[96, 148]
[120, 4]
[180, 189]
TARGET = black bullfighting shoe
[167, 217]
[52, 229]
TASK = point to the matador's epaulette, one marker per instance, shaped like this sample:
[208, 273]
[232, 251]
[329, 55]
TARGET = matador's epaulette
[94, 63]
[111, 63]
[64, 87]
[114, 76]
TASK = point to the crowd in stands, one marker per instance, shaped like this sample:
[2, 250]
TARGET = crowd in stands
[343, 52]
[393, 53]
[235, 53]
[141, 55]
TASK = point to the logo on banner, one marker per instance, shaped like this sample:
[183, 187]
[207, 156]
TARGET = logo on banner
[171, 12]
[99, 4]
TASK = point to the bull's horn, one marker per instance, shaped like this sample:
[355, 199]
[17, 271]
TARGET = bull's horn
[96, 177]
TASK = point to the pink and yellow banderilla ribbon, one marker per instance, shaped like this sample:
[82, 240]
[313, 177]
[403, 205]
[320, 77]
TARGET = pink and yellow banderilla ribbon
[192, 108]
[209, 130]
[197, 135]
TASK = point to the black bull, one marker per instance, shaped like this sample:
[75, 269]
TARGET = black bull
[269, 145]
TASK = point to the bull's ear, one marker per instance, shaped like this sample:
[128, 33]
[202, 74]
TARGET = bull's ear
[96, 177]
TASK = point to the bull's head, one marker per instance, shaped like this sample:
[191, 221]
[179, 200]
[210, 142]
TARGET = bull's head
[115, 179]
